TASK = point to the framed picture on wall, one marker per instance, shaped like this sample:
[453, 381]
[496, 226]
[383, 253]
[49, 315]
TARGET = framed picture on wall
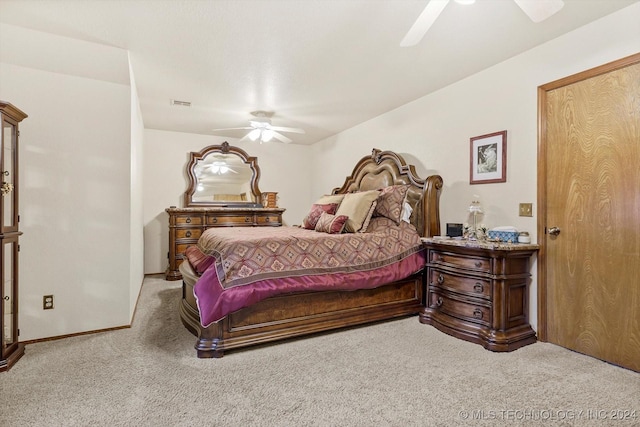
[488, 158]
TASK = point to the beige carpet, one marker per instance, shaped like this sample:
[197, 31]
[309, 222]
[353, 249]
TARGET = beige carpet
[398, 373]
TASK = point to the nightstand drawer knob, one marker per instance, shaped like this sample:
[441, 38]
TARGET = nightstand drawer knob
[247, 219]
[188, 221]
[439, 302]
[477, 313]
[187, 234]
[478, 264]
[478, 287]
[440, 279]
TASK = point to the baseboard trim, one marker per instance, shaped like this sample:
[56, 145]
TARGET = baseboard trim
[77, 334]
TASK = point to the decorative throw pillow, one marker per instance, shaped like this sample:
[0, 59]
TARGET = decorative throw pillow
[330, 198]
[310, 221]
[367, 220]
[390, 202]
[332, 224]
[356, 206]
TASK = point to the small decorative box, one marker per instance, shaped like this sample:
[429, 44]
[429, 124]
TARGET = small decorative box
[503, 236]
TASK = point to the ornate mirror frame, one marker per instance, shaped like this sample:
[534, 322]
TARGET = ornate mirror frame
[224, 148]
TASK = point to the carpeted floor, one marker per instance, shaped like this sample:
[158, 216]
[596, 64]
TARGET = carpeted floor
[398, 373]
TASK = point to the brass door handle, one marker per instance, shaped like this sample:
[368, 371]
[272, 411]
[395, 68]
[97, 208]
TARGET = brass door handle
[554, 231]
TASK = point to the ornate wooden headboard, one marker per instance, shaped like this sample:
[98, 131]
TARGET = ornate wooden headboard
[384, 168]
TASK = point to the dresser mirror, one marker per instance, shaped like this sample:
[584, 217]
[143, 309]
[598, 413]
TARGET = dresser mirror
[222, 175]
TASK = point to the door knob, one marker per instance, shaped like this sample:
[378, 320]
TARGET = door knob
[554, 231]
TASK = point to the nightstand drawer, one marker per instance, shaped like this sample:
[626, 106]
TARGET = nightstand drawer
[465, 285]
[468, 262]
[448, 304]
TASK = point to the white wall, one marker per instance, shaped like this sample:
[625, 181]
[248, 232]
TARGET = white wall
[435, 129]
[136, 229]
[284, 168]
[75, 185]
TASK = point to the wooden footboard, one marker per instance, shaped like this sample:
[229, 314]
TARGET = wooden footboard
[293, 315]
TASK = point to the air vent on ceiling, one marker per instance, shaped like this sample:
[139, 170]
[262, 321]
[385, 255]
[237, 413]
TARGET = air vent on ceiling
[180, 103]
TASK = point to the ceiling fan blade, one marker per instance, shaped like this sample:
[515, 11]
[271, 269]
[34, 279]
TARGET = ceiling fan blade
[218, 130]
[286, 129]
[539, 10]
[281, 137]
[424, 22]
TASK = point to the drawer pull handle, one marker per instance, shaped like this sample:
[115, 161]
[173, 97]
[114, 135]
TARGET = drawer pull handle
[478, 287]
[188, 220]
[439, 302]
[247, 219]
[440, 279]
[214, 220]
[267, 219]
[478, 264]
[188, 234]
[477, 313]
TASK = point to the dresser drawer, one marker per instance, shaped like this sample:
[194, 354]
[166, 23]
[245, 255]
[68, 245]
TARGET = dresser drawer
[188, 233]
[268, 219]
[182, 247]
[460, 308]
[229, 220]
[465, 285]
[188, 220]
[467, 262]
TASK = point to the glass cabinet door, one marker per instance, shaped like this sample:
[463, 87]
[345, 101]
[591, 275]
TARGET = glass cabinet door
[8, 175]
[9, 300]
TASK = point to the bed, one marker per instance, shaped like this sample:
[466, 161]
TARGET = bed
[266, 303]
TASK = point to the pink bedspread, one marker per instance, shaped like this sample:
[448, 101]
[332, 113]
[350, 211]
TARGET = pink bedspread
[252, 264]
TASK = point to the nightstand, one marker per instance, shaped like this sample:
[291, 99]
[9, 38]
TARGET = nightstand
[479, 291]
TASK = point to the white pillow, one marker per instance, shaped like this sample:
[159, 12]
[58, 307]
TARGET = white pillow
[406, 212]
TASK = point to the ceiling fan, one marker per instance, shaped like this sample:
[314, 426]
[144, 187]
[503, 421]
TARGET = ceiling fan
[260, 128]
[536, 10]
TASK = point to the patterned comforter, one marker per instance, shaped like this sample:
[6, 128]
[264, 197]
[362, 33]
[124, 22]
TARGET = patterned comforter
[246, 265]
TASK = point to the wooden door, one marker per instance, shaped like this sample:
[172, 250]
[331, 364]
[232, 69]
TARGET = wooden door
[589, 212]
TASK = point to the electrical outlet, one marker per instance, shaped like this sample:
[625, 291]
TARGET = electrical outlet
[526, 209]
[47, 302]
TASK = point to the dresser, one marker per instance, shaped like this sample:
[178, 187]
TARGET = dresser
[186, 225]
[479, 291]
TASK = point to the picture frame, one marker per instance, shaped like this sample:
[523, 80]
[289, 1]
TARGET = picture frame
[488, 158]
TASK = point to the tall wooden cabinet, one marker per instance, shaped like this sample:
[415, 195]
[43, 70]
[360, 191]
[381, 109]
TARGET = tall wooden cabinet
[10, 350]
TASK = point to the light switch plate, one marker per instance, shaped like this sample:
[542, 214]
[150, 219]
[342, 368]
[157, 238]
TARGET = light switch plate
[526, 209]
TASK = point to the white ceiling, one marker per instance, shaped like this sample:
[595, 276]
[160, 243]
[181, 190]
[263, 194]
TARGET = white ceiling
[321, 65]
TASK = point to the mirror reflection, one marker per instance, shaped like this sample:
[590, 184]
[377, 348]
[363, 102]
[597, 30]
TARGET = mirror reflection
[222, 175]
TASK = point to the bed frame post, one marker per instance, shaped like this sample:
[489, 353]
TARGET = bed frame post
[431, 214]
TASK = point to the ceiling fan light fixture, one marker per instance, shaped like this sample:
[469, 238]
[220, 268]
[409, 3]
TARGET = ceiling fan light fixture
[254, 134]
[267, 135]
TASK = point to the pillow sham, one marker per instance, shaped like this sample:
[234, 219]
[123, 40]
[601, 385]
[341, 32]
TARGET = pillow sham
[390, 202]
[332, 224]
[356, 206]
[309, 222]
